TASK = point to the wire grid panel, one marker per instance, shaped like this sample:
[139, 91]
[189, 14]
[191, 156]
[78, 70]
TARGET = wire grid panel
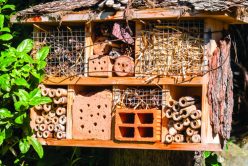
[139, 98]
[66, 57]
[172, 48]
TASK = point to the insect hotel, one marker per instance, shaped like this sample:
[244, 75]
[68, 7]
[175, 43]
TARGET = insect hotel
[134, 74]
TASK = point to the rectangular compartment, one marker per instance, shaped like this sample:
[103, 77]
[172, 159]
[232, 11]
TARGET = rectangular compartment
[127, 132]
[127, 118]
[66, 57]
[145, 132]
[171, 48]
[145, 118]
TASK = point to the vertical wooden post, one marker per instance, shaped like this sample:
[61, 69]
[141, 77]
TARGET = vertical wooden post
[70, 100]
[88, 46]
[165, 98]
[138, 29]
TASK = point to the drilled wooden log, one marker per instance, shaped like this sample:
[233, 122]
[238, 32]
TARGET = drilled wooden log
[169, 138]
[185, 112]
[179, 138]
[124, 66]
[196, 114]
[196, 124]
[61, 92]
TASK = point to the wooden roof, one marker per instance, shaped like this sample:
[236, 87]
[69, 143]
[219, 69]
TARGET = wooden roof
[233, 11]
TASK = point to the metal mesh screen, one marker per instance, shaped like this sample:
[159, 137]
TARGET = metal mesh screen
[66, 57]
[172, 48]
[139, 98]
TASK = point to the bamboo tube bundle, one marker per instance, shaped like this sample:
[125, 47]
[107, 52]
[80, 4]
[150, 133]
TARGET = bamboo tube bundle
[50, 121]
[184, 120]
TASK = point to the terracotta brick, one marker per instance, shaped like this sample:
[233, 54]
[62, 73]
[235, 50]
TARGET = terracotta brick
[138, 125]
[100, 66]
[92, 116]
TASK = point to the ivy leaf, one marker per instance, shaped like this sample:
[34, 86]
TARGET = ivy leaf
[23, 95]
[24, 145]
[2, 136]
[206, 154]
[25, 46]
[36, 145]
[6, 37]
[41, 65]
[42, 53]
[11, 7]
[21, 82]
[5, 113]
[1, 21]
[6, 62]
[35, 93]
[39, 100]
[18, 105]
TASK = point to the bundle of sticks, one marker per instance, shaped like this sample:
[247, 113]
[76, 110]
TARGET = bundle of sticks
[184, 120]
[140, 98]
[50, 121]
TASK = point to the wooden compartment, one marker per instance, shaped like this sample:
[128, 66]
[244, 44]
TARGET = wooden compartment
[50, 120]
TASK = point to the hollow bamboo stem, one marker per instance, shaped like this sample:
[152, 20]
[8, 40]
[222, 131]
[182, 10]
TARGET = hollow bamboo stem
[196, 124]
[60, 135]
[178, 138]
[47, 107]
[60, 111]
[55, 120]
[186, 122]
[187, 101]
[175, 107]
[196, 114]
[169, 138]
[44, 91]
[61, 92]
[39, 119]
[178, 126]
[52, 113]
[62, 120]
[47, 134]
[185, 112]
[168, 113]
[38, 107]
[42, 127]
[176, 116]
[50, 127]
[196, 138]
[172, 131]
[52, 93]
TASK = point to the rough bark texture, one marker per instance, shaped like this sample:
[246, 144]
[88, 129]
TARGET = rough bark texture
[194, 5]
[125, 157]
[220, 89]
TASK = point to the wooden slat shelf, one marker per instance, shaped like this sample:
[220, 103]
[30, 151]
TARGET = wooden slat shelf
[128, 145]
[122, 81]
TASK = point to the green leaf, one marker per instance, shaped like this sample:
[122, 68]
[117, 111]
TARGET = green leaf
[24, 145]
[25, 46]
[5, 82]
[206, 154]
[6, 37]
[20, 104]
[23, 95]
[12, 7]
[41, 65]
[1, 21]
[35, 93]
[21, 82]
[6, 62]
[42, 53]
[36, 145]
[5, 29]
[39, 100]
[20, 118]
[2, 136]
[5, 113]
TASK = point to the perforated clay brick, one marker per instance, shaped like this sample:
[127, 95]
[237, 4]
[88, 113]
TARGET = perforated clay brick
[100, 66]
[92, 116]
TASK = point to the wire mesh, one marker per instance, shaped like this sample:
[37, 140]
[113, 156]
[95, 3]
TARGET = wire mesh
[66, 57]
[139, 98]
[172, 48]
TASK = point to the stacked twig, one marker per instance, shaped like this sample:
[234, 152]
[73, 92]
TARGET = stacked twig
[50, 121]
[169, 49]
[185, 120]
[139, 98]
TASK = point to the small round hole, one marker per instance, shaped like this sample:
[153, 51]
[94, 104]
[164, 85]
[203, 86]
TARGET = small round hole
[88, 105]
[95, 68]
[82, 126]
[99, 106]
[93, 61]
[81, 117]
[101, 68]
[106, 105]
[99, 63]
[81, 110]
[89, 131]
[104, 116]
[123, 65]
[104, 61]
[123, 71]
[102, 130]
[98, 114]
[95, 124]
[118, 64]
[91, 115]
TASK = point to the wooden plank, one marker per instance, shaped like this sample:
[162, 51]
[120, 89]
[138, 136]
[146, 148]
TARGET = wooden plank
[132, 145]
[121, 81]
[70, 100]
[138, 28]
[88, 46]
[165, 99]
